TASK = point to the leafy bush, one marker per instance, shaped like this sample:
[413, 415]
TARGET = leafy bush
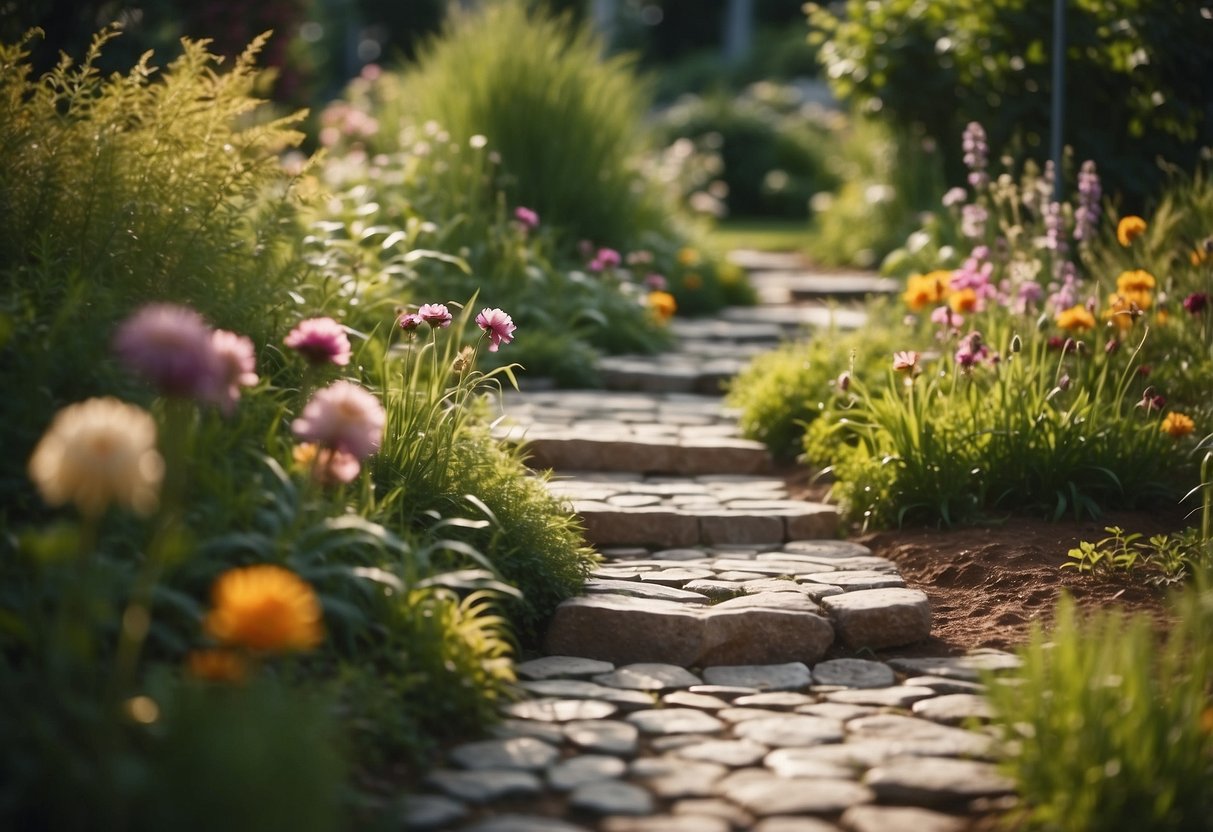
[1132, 70]
[1107, 730]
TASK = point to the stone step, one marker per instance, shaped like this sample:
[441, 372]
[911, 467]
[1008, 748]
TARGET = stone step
[796, 319]
[784, 287]
[630, 510]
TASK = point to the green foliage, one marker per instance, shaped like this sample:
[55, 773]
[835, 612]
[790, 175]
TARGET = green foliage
[1132, 72]
[1170, 557]
[1108, 730]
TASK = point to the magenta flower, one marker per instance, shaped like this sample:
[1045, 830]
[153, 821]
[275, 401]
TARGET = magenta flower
[526, 218]
[1196, 302]
[905, 361]
[436, 315]
[497, 325]
[409, 321]
[608, 257]
[947, 317]
[1151, 401]
[320, 341]
[971, 351]
[237, 362]
[171, 347]
[343, 417]
[656, 282]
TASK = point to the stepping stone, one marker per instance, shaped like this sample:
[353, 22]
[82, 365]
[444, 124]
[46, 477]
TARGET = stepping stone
[524, 753]
[649, 677]
[815, 591]
[897, 696]
[735, 715]
[954, 708]
[837, 710]
[900, 819]
[830, 549]
[790, 730]
[763, 636]
[604, 735]
[853, 673]
[579, 689]
[920, 737]
[793, 824]
[731, 753]
[432, 811]
[622, 630]
[855, 579]
[966, 668]
[804, 762]
[485, 785]
[670, 777]
[779, 700]
[931, 781]
[945, 686]
[675, 577]
[770, 677]
[549, 732]
[646, 587]
[715, 590]
[587, 768]
[738, 527]
[763, 793]
[735, 816]
[686, 699]
[877, 618]
[675, 721]
[559, 710]
[523, 823]
[794, 318]
[666, 823]
[612, 797]
[654, 526]
[771, 600]
[549, 667]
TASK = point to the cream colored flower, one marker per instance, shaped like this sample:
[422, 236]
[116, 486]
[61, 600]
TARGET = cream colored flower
[99, 452]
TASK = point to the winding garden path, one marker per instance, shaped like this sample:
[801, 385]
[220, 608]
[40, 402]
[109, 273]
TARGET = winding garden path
[718, 673]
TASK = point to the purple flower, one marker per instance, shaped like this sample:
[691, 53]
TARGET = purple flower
[976, 154]
[1151, 401]
[527, 218]
[1196, 302]
[606, 258]
[342, 417]
[237, 362]
[320, 341]
[1086, 215]
[945, 316]
[955, 196]
[497, 325]
[171, 347]
[436, 315]
[409, 322]
[1055, 239]
[656, 282]
[973, 221]
[971, 351]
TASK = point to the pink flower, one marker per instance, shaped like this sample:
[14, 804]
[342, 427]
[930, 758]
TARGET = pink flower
[656, 282]
[1151, 401]
[171, 347]
[526, 218]
[409, 321]
[608, 257]
[436, 315]
[905, 361]
[327, 466]
[497, 325]
[343, 417]
[320, 341]
[1196, 302]
[234, 354]
[946, 316]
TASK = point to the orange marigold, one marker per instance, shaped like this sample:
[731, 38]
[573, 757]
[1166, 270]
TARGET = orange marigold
[663, 304]
[963, 300]
[1129, 229]
[925, 289]
[1177, 425]
[1075, 318]
[265, 608]
[1138, 280]
[217, 666]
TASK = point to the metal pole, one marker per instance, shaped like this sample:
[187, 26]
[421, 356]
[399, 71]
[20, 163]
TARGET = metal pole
[1059, 92]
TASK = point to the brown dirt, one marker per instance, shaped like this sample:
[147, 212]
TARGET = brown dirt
[988, 584]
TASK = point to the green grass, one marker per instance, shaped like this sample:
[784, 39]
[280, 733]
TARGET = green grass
[759, 234]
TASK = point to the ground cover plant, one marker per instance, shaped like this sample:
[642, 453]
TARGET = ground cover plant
[254, 487]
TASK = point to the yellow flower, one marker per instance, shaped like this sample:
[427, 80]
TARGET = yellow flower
[1124, 308]
[963, 300]
[1198, 256]
[925, 289]
[264, 608]
[663, 304]
[217, 666]
[692, 281]
[1161, 317]
[99, 452]
[1129, 229]
[1137, 280]
[1177, 425]
[1075, 318]
[688, 257]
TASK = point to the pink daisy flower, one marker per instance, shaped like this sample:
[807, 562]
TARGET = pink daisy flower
[343, 417]
[526, 217]
[171, 347]
[497, 325]
[237, 362]
[436, 315]
[905, 361]
[409, 321]
[320, 341]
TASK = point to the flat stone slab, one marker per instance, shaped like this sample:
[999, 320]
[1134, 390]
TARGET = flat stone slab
[666, 823]
[670, 777]
[646, 587]
[966, 668]
[552, 667]
[930, 781]
[604, 736]
[485, 785]
[432, 811]
[523, 823]
[649, 677]
[581, 689]
[793, 824]
[772, 677]
[895, 696]
[853, 673]
[525, 753]
[878, 618]
[790, 730]
[900, 819]
[623, 630]
[805, 762]
[919, 737]
[612, 797]
[731, 753]
[559, 710]
[764, 793]
[954, 708]
[675, 721]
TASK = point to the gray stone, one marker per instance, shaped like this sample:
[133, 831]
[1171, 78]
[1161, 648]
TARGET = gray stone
[523, 823]
[735, 715]
[876, 618]
[485, 785]
[826, 548]
[920, 737]
[649, 676]
[763, 636]
[735, 816]
[612, 797]
[586, 768]
[805, 762]
[645, 588]
[432, 811]
[855, 755]
[837, 710]
[525, 753]
[621, 630]
[855, 579]
[736, 527]
[763, 793]
[794, 824]
[552, 667]
[686, 699]
[666, 823]
[546, 731]
[814, 520]
[667, 743]
[675, 721]
[897, 696]
[578, 689]
[967, 668]
[655, 526]
[900, 819]
[954, 708]
[559, 710]
[604, 735]
[715, 590]
[724, 691]
[778, 700]
[789, 730]
[930, 781]
[945, 686]
[676, 576]
[853, 673]
[816, 591]
[770, 600]
[669, 777]
[732, 753]
[761, 677]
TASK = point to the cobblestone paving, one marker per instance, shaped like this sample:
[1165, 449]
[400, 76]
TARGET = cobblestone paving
[690, 688]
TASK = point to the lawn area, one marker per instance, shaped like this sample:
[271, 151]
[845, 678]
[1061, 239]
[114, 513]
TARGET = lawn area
[765, 234]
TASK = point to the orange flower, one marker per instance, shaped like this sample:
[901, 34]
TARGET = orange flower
[264, 608]
[1198, 256]
[1138, 280]
[1075, 318]
[688, 257]
[1124, 308]
[663, 304]
[1177, 425]
[963, 300]
[217, 666]
[925, 289]
[692, 281]
[1129, 229]
[1161, 317]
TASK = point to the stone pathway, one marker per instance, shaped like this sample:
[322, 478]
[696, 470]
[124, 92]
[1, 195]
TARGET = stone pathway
[714, 675]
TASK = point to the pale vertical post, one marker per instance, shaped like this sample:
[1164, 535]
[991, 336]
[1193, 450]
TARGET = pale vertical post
[738, 30]
[604, 13]
[1059, 92]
